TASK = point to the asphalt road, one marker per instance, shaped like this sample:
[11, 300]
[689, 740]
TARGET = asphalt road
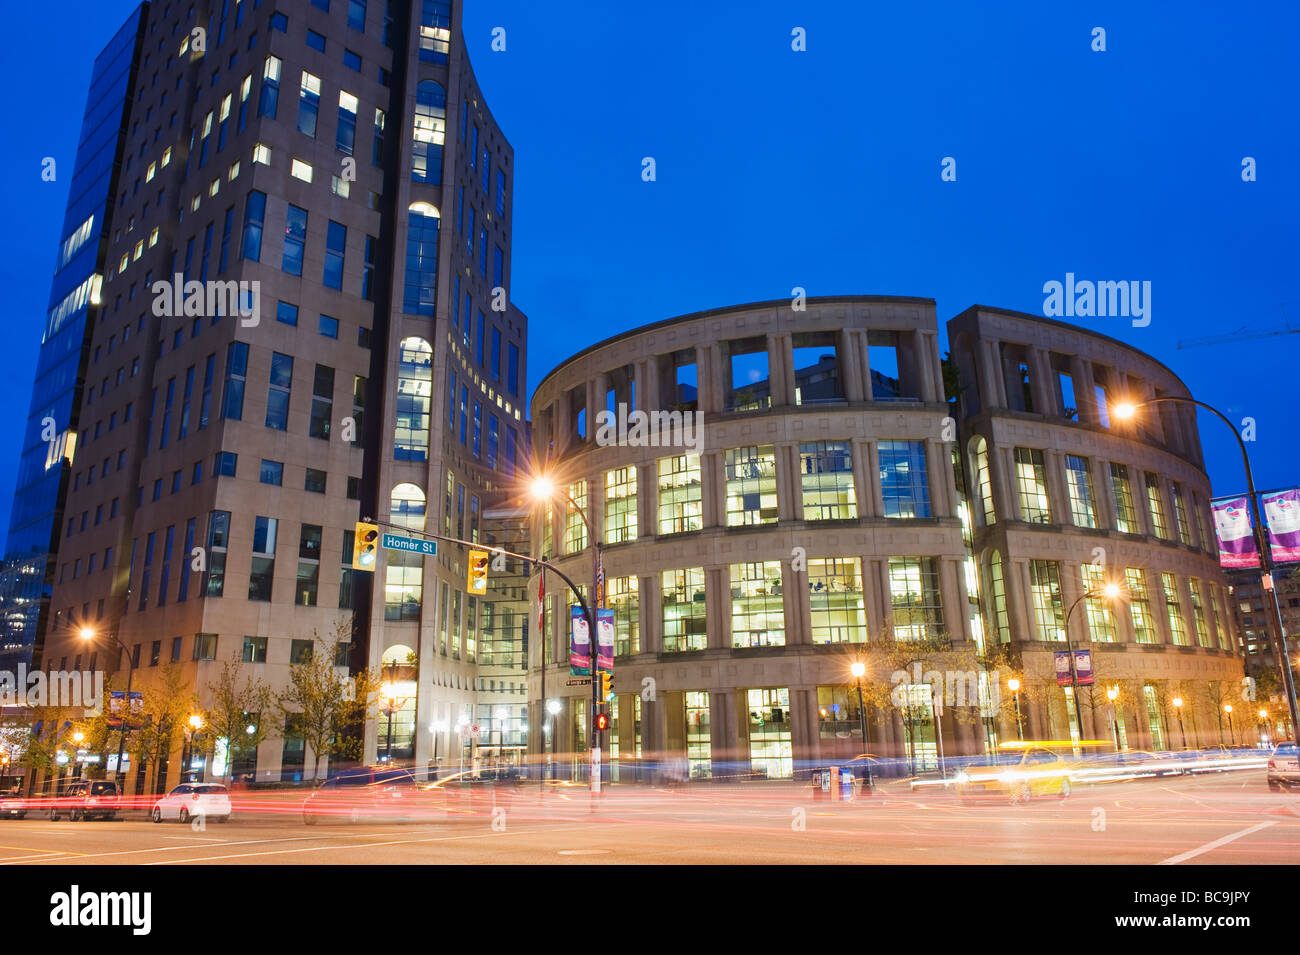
[1223, 818]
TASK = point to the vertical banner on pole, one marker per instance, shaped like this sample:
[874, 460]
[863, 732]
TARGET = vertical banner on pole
[1062, 660]
[579, 643]
[605, 640]
[1282, 516]
[1236, 534]
[1083, 666]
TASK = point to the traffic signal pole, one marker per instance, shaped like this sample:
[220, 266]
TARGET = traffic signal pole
[588, 613]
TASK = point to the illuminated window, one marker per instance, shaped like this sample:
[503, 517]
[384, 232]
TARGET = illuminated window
[771, 751]
[404, 574]
[1180, 515]
[1156, 506]
[751, 486]
[1125, 513]
[1198, 612]
[1045, 590]
[684, 621]
[622, 595]
[575, 528]
[262, 154]
[681, 506]
[998, 593]
[914, 597]
[757, 608]
[414, 394]
[837, 613]
[301, 170]
[1101, 618]
[430, 133]
[1031, 476]
[1144, 622]
[435, 31]
[826, 475]
[1174, 609]
[983, 484]
[620, 505]
[1078, 485]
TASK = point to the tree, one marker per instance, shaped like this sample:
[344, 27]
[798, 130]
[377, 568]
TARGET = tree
[237, 711]
[167, 700]
[322, 705]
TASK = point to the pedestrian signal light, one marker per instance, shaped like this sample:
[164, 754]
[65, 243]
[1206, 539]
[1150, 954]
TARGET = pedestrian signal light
[602, 721]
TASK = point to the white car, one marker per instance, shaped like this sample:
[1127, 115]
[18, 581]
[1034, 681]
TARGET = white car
[188, 800]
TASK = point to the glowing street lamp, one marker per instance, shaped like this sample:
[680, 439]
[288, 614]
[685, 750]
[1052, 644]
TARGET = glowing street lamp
[1178, 708]
[859, 670]
[1127, 410]
[1110, 591]
[1113, 694]
[87, 634]
[1227, 708]
[1014, 686]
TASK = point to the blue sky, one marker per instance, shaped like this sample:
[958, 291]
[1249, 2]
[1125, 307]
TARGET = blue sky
[821, 169]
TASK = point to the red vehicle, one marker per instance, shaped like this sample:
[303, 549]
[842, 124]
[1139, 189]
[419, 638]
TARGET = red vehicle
[86, 799]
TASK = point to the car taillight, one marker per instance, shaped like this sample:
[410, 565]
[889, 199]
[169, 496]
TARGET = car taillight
[1272, 765]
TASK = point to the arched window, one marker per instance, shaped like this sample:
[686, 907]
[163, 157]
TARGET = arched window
[404, 580]
[414, 394]
[407, 506]
[430, 133]
[421, 284]
[983, 481]
[397, 729]
[998, 595]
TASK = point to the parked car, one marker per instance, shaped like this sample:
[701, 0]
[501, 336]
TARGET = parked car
[86, 799]
[367, 792]
[11, 797]
[1283, 766]
[1036, 772]
[188, 800]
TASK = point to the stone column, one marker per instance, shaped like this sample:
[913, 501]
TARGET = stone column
[866, 477]
[1057, 495]
[649, 597]
[717, 584]
[1042, 384]
[850, 354]
[789, 484]
[780, 368]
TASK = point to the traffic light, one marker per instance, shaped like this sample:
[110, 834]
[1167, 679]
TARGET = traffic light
[606, 685]
[476, 578]
[365, 545]
[602, 722]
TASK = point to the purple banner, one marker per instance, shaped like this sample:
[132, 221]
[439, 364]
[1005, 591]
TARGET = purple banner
[1236, 534]
[605, 640]
[579, 643]
[1083, 666]
[1282, 517]
[1062, 658]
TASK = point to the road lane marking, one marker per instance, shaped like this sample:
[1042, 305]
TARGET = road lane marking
[1193, 853]
[369, 845]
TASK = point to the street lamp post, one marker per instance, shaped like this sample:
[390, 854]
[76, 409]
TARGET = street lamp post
[1263, 722]
[1112, 694]
[1110, 592]
[389, 692]
[1127, 410]
[1232, 735]
[1178, 708]
[552, 709]
[1014, 686]
[859, 670]
[87, 634]
[543, 489]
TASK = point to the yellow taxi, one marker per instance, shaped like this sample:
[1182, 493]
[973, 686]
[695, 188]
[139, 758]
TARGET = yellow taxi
[1017, 774]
